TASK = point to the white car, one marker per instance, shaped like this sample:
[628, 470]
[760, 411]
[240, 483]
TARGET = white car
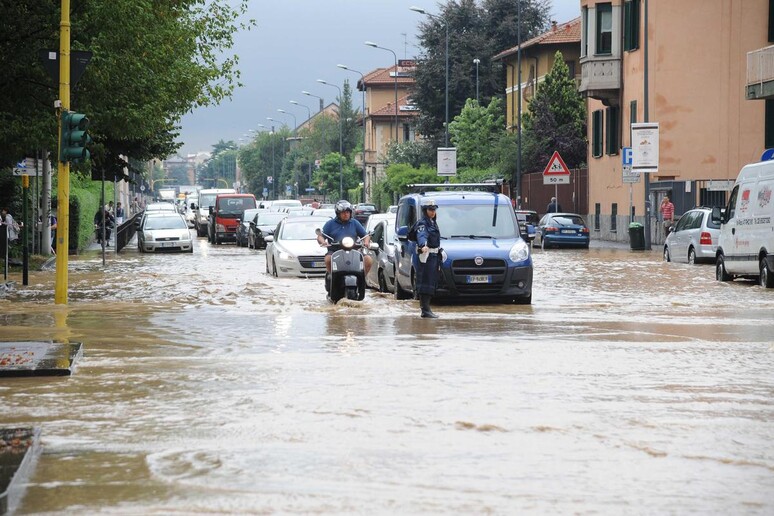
[164, 231]
[376, 218]
[293, 249]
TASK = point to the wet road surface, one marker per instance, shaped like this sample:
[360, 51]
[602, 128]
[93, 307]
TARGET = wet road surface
[628, 386]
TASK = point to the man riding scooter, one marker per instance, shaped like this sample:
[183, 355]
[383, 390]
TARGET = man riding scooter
[339, 227]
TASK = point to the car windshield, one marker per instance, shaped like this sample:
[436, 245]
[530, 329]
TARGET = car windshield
[235, 205]
[165, 223]
[369, 207]
[476, 220]
[271, 218]
[299, 231]
[569, 220]
[207, 200]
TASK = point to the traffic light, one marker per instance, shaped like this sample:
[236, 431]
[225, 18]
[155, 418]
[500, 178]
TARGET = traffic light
[74, 137]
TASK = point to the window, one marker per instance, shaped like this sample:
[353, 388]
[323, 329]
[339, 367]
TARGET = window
[596, 133]
[571, 68]
[632, 25]
[585, 31]
[613, 115]
[768, 133]
[597, 213]
[604, 29]
[632, 113]
[771, 21]
[614, 217]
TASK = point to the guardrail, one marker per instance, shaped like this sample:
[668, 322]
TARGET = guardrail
[760, 65]
[126, 231]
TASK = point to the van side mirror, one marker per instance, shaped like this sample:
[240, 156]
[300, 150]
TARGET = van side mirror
[402, 233]
[211, 208]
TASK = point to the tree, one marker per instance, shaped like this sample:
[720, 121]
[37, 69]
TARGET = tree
[474, 33]
[415, 153]
[556, 120]
[476, 133]
[168, 57]
[329, 176]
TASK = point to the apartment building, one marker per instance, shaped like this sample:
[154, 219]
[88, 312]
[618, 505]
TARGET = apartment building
[693, 55]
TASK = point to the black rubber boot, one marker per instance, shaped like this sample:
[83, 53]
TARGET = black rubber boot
[424, 303]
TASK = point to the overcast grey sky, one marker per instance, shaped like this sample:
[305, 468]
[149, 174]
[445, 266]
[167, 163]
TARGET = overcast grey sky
[297, 42]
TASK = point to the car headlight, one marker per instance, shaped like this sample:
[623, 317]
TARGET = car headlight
[220, 228]
[519, 251]
[285, 255]
[148, 236]
[347, 242]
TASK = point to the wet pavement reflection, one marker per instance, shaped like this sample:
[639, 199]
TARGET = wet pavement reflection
[206, 385]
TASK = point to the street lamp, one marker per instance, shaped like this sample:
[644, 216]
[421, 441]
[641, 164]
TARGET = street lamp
[476, 61]
[315, 96]
[345, 67]
[341, 140]
[309, 112]
[273, 179]
[372, 44]
[446, 24]
[295, 123]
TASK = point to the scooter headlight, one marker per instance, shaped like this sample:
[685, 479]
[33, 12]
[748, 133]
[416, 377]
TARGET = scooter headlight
[347, 242]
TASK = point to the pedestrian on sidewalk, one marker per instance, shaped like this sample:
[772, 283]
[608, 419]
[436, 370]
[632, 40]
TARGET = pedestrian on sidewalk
[11, 225]
[119, 214]
[667, 214]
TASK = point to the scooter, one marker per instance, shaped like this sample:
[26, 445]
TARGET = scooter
[347, 276]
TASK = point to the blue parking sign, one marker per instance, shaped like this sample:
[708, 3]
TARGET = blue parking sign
[626, 156]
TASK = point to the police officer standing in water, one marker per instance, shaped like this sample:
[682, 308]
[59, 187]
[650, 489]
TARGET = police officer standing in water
[428, 247]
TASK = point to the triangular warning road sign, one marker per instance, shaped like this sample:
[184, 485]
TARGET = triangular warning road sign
[556, 166]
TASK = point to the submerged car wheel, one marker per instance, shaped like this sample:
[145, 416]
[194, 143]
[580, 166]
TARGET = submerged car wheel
[667, 258]
[720, 270]
[400, 294]
[767, 278]
[382, 281]
[692, 256]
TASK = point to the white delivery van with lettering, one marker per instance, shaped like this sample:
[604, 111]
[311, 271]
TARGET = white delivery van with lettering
[746, 243]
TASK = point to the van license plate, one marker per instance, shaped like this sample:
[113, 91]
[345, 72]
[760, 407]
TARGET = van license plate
[480, 279]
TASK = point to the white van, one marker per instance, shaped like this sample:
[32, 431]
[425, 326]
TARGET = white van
[206, 199]
[746, 243]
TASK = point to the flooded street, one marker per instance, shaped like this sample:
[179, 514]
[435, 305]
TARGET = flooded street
[207, 386]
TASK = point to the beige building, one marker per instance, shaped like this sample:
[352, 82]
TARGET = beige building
[537, 59]
[696, 73]
[380, 117]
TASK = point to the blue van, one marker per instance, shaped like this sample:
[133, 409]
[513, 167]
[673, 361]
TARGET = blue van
[484, 258]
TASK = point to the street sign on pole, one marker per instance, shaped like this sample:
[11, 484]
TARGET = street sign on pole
[26, 167]
[556, 172]
[628, 176]
[645, 147]
[447, 161]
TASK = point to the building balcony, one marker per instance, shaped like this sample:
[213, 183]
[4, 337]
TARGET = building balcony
[760, 74]
[601, 78]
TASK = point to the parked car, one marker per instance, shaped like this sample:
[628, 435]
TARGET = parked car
[293, 249]
[244, 226]
[376, 218]
[485, 257]
[528, 221]
[563, 230]
[164, 231]
[262, 224]
[362, 211]
[382, 274]
[694, 238]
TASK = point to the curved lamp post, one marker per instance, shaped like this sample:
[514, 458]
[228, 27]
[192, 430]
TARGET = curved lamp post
[273, 179]
[446, 25]
[372, 44]
[295, 123]
[309, 112]
[341, 140]
[345, 67]
[315, 96]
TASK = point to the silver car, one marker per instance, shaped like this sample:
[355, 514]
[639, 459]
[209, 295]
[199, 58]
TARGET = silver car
[382, 274]
[694, 238]
[293, 249]
[164, 231]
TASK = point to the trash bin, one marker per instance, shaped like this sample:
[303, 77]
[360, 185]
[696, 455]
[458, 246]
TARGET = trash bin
[637, 236]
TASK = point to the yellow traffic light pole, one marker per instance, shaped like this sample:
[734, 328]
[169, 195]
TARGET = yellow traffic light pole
[63, 168]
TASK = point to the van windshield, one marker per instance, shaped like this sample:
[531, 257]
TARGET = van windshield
[476, 221]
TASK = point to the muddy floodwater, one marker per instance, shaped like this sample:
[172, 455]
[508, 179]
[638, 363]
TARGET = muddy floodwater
[629, 386]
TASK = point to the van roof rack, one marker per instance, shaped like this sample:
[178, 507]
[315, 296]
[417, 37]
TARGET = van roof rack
[490, 186]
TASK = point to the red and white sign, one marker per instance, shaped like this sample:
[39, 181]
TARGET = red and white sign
[556, 171]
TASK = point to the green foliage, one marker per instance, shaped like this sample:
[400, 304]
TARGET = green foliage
[475, 32]
[329, 177]
[152, 63]
[476, 132]
[415, 153]
[400, 175]
[556, 120]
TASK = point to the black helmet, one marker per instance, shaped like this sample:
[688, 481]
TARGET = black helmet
[429, 204]
[342, 206]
